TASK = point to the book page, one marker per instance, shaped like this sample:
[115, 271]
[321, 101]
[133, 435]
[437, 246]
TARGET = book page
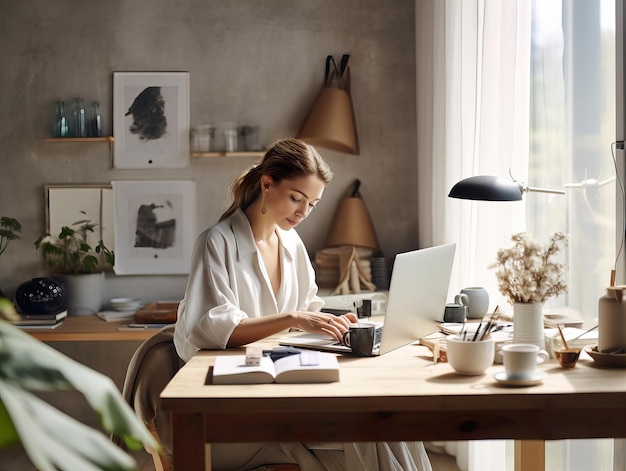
[291, 370]
[232, 369]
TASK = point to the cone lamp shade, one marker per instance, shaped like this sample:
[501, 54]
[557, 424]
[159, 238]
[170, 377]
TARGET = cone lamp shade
[352, 225]
[330, 123]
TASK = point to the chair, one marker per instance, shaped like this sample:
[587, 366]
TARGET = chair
[152, 366]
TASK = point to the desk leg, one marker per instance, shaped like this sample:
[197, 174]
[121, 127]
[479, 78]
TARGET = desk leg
[189, 443]
[530, 455]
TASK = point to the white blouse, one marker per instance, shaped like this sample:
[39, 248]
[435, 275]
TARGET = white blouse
[228, 282]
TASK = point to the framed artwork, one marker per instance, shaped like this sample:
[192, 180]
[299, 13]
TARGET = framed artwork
[155, 226]
[66, 204]
[151, 119]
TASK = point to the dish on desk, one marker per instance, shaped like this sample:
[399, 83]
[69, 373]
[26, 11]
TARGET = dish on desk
[613, 360]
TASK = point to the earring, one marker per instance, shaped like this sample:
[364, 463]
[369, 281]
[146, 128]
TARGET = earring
[263, 209]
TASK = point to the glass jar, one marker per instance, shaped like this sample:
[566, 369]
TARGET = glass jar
[202, 138]
[226, 137]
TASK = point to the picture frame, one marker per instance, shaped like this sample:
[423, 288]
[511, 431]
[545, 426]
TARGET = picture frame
[155, 226]
[68, 203]
[151, 119]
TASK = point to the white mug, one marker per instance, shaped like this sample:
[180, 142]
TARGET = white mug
[476, 299]
[521, 359]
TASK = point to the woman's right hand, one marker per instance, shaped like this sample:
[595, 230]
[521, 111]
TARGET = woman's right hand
[321, 322]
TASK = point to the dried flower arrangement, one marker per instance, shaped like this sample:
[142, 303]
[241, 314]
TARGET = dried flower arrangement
[528, 272]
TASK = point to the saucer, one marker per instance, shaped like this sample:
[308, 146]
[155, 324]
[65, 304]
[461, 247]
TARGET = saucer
[504, 379]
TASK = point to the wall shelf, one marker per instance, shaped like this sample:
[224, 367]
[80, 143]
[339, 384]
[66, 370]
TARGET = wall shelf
[80, 139]
[228, 154]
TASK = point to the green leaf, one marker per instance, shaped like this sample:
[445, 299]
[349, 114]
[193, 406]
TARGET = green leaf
[27, 363]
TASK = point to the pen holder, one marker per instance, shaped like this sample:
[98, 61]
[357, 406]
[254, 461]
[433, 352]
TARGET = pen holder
[470, 357]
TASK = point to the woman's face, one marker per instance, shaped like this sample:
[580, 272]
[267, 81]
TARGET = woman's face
[290, 201]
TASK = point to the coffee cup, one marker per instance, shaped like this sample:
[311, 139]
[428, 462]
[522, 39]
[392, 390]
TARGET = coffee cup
[360, 338]
[521, 359]
[470, 357]
[454, 312]
[476, 299]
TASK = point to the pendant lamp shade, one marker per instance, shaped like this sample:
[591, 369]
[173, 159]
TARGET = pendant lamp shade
[330, 123]
[352, 225]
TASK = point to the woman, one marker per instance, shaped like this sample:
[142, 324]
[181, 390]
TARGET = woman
[251, 277]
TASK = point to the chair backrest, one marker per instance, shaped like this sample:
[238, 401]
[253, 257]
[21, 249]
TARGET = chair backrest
[152, 366]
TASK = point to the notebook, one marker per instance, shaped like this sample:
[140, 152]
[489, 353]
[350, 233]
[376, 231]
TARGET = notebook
[417, 297]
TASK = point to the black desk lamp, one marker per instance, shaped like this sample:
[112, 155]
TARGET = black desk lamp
[492, 188]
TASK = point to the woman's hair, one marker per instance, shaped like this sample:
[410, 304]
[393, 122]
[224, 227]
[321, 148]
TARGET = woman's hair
[286, 159]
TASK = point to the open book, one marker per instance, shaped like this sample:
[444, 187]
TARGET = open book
[306, 367]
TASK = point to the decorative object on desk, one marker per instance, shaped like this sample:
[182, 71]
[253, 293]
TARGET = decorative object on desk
[125, 304]
[528, 275]
[350, 230]
[331, 123]
[160, 312]
[306, 367]
[30, 365]
[40, 296]
[615, 359]
[612, 320]
[77, 265]
[476, 299]
[40, 320]
[10, 229]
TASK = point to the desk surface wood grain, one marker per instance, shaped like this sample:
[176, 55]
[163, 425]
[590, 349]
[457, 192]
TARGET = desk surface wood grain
[400, 396]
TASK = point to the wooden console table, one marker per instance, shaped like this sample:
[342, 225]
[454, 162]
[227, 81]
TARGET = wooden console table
[89, 329]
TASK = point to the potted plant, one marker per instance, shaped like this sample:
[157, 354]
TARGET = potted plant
[10, 229]
[53, 440]
[528, 275]
[71, 258]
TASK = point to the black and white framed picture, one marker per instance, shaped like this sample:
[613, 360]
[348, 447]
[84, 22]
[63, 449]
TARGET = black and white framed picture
[151, 119]
[155, 226]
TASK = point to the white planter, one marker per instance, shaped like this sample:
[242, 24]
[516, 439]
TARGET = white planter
[528, 324]
[83, 293]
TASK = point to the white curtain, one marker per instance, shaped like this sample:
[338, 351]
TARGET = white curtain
[476, 95]
[473, 101]
[473, 92]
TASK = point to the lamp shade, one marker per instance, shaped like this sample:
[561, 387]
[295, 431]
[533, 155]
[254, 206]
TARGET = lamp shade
[330, 122]
[487, 188]
[352, 225]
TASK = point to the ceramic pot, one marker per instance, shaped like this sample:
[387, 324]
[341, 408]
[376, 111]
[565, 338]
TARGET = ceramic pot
[84, 293]
[612, 320]
[528, 324]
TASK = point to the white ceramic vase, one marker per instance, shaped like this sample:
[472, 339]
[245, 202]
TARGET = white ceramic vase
[83, 293]
[528, 324]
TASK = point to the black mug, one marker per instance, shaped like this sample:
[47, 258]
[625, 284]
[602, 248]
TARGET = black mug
[360, 338]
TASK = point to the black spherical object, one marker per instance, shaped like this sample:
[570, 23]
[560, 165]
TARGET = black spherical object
[40, 296]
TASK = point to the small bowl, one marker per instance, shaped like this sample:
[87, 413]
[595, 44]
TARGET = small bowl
[567, 357]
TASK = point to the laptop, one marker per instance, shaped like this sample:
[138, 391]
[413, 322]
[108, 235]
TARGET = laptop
[417, 297]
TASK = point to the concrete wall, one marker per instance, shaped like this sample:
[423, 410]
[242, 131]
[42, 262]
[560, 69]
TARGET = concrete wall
[258, 61]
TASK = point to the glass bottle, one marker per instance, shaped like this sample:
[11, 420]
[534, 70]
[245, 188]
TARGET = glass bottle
[60, 120]
[96, 120]
[78, 119]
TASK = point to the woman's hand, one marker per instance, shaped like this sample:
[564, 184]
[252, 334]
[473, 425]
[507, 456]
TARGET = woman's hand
[321, 322]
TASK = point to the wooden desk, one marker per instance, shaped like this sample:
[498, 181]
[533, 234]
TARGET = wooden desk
[398, 396]
[89, 328]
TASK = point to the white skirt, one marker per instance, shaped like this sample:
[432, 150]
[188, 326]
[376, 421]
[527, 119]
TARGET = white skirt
[367, 456]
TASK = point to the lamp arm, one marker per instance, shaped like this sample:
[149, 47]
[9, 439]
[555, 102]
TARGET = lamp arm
[543, 190]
